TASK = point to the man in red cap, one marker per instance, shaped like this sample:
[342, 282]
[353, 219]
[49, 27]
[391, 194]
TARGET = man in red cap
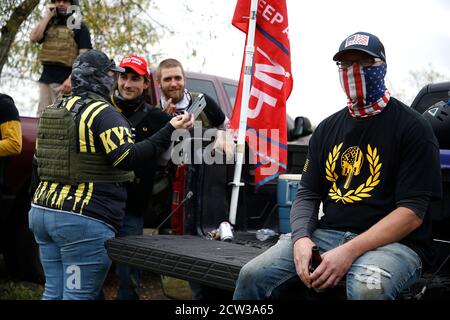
[129, 98]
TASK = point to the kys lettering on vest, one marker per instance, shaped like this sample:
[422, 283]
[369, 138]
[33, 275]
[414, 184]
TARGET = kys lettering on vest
[263, 73]
[115, 137]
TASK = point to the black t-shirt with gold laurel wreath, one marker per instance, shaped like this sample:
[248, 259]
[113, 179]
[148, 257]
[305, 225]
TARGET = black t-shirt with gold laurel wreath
[363, 167]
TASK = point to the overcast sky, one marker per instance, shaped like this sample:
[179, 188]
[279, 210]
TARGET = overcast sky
[415, 33]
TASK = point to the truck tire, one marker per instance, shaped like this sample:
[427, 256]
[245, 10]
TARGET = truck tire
[21, 256]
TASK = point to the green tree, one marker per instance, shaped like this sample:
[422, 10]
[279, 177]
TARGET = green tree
[117, 27]
[13, 14]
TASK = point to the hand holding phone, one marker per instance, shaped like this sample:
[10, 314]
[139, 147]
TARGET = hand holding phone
[51, 10]
[197, 106]
[182, 121]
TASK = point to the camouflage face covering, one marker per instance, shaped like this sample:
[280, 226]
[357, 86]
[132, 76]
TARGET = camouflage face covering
[88, 79]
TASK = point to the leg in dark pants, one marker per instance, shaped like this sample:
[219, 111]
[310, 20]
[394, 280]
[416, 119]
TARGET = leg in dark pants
[129, 278]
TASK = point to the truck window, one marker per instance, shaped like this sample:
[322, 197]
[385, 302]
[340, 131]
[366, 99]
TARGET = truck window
[230, 90]
[203, 86]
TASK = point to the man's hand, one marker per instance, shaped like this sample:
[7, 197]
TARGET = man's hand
[225, 143]
[183, 121]
[37, 34]
[65, 87]
[302, 257]
[51, 11]
[169, 107]
[334, 266]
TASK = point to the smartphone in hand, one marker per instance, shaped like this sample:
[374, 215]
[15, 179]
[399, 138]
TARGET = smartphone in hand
[52, 9]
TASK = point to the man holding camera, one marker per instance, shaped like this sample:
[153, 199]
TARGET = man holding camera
[175, 98]
[62, 39]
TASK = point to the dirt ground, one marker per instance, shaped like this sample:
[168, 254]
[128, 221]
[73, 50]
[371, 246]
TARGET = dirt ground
[151, 287]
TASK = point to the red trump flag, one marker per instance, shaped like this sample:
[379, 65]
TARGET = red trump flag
[271, 85]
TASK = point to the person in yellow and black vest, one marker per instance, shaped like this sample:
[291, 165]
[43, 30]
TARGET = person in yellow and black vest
[10, 133]
[63, 37]
[129, 98]
[85, 156]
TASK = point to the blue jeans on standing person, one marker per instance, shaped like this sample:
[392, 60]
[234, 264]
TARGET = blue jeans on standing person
[73, 253]
[129, 278]
[376, 275]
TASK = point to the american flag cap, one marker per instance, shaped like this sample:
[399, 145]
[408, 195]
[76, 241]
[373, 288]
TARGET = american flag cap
[362, 41]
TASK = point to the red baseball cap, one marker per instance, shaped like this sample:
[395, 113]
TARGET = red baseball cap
[137, 64]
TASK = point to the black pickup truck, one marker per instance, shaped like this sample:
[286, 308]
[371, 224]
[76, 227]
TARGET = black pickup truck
[192, 256]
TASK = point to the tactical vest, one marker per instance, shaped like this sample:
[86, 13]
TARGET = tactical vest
[59, 46]
[57, 153]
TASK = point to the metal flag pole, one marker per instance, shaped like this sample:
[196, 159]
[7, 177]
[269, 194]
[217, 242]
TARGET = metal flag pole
[240, 148]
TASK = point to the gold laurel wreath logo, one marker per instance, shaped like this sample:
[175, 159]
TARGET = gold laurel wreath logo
[363, 190]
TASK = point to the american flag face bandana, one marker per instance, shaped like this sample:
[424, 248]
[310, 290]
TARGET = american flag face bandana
[365, 89]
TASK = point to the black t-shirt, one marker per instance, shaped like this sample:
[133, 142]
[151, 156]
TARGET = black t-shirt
[363, 167]
[53, 73]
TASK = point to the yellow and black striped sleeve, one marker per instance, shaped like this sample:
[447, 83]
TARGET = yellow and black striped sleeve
[112, 135]
[10, 129]
[11, 143]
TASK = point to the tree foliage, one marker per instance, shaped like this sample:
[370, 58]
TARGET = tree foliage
[118, 27]
[13, 14]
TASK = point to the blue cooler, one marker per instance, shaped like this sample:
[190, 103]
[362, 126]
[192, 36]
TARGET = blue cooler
[445, 159]
[286, 192]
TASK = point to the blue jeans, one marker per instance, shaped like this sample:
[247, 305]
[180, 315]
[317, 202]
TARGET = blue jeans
[376, 275]
[129, 278]
[73, 253]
